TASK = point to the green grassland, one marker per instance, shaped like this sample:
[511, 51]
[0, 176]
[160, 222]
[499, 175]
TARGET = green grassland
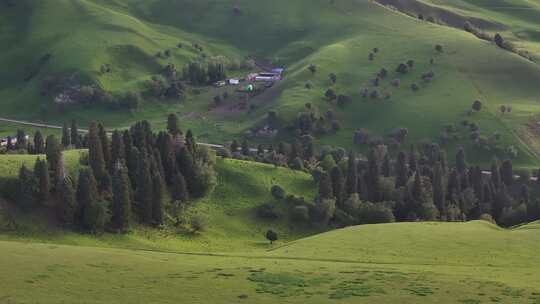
[337, 267]
[336, 37]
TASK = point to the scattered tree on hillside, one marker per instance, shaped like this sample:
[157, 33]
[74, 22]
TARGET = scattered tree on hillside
[272, 236]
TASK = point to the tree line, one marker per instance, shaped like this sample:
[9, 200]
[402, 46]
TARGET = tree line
[414, 185]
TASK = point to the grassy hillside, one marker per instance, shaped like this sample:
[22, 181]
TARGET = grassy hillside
[230, 212]
[336, 37]
[292, 274]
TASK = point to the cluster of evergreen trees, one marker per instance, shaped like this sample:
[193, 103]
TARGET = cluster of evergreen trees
[418, 185]
[200, 74]
[126, 179]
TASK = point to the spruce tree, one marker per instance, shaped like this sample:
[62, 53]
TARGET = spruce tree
[144, 190]
[106, 146]
[95, 152]
[121, 200]
[190, 142]
[386, 166]
[245, 148]
[157, 199]
[454, 184]
[325, 187]
[87, 197]
[478, 183]
[53, 152]
[461, 162]
[21, 140]
[401, 170]
[352, 175]
[128, 142]
[133, 166]
[179, 191]
[41, 172]
[338, 184]
[118, 152]
[172, 125]
[74, 135]
[39, 143]
[66, 136]
[438, 189]
[496, 174]
[186, 166]
[507, 173]
[26, 188]
[67, 205]
[413, 160]
[373, 178]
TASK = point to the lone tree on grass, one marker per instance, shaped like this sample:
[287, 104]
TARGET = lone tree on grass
[272, 236]
[477, 105]
[333, 78]
[312, 68]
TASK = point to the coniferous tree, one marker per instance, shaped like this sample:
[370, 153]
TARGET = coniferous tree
[74, 135]
[190, 142]
[21, 140]
[118, 152]
[245, 148]
[477, 183]
[454, 184]
[144, 190]
[179, 191]
[501, 201]
[39, 143]
[401, 170]
[438, 189]
[41, 172]
[373, 178]
[386, 166]
[133, 166]
[186, 166]
[66, 136]
[496, 174]
[325, 187]
[106, 146]
[53, 152]
[172, 125]
[413, 160]
[461, 162]
[507, 173]
[128, 142]
[26, 188]
[87, 198]
[95, 152]
[121, 200]
[157, 199]
[352, 175]
[338, 184]
[67, 205]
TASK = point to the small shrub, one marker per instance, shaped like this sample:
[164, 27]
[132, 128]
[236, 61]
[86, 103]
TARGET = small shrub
[199, 223]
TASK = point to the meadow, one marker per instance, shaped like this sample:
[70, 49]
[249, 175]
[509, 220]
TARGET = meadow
[306, 271]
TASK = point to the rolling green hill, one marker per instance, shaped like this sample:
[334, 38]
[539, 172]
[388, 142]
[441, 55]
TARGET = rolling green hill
[346, 266]
[81, 36]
